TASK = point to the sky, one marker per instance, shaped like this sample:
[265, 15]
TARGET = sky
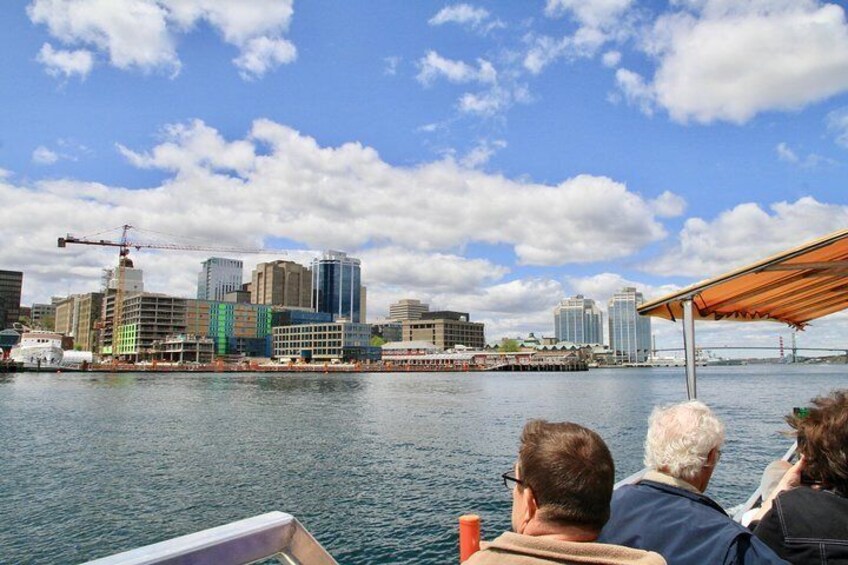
[487, 157]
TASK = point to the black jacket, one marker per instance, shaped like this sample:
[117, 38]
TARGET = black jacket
[807, 526]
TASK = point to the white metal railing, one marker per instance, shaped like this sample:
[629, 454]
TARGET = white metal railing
[275, 535]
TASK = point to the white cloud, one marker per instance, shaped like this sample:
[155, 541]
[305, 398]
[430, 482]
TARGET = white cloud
[729, 61]
[411, 223]
[391, 65]
[785, 153]
[589, 13]
[142, 34]
[433, 66]
[460, 14]
[44, 156]
[668, 205]
[68, 63]
[747, 233]
[488, 103]
[611, 59]
[837, 123]
[544, 50]
[481, 153]
[602, 286]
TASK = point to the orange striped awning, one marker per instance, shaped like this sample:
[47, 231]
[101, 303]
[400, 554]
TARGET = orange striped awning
[793, 287]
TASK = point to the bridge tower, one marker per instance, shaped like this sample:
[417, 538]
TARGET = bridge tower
[780, 340]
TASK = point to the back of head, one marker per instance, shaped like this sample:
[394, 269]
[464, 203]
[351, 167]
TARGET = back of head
[680, 438]
[823, 440]
[570, 470]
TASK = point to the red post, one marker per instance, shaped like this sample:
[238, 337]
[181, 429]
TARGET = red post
[469, 536]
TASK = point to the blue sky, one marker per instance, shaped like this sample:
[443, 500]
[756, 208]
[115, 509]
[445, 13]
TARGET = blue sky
[492, 157]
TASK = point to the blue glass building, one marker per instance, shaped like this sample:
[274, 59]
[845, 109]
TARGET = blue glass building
[336, 286]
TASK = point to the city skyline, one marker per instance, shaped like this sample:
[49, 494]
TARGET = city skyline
[490, 157]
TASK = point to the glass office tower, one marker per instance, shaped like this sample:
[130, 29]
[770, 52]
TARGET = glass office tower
[629, 333]
[578, 320]
[337, 287]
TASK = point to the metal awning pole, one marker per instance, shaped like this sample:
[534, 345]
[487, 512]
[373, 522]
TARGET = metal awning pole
[689, 345]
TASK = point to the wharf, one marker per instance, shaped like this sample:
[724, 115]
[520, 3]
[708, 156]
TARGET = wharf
[334, 368]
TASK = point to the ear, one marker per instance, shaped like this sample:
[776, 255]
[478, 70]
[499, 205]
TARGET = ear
[530, 507]
[712, 457]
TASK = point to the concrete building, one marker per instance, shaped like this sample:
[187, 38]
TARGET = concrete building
[133, 278]
[77, 316]
[146, 318]
[630, 333]
[217, 277]
[66, 316]
[445, 330]
[185, 349]
[281, 283]
[578, 320]
[343, 341]
[43, 316]
[89, 310]
[337, 286]
[407, 309]
[10, 297]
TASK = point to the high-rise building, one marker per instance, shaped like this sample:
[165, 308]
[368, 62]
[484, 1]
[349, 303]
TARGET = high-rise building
[217, 277]
[281, 283]
[407, 309]
[10, 297]
[89, 310]
[578, 320]
[336, 286]
[630, 333]
[133, 278]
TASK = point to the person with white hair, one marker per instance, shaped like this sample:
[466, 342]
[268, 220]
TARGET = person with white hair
[666, 511]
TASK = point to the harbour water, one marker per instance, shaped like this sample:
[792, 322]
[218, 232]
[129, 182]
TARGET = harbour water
[377, 466]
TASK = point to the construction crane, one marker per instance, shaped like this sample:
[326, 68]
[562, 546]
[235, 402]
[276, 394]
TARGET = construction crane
[124, 244]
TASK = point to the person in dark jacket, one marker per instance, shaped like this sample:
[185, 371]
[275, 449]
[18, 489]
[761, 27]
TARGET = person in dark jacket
[666, 511]
[805, 520]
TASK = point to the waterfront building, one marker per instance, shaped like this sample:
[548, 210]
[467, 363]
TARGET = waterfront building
[217, 277]
[407, 309]
[10, 297]
[65, 315]
[629, 333]
[445, 330]
[336, 286]
[281, 283]
[89, 309]
[145, 318]
[185, 349]
[578, 320]
[235, 328]
[43, 316]
[342, 341]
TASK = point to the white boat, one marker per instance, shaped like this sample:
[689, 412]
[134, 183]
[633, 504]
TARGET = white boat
[39, 350]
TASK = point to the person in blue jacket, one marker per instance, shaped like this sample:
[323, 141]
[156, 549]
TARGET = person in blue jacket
[666, 511]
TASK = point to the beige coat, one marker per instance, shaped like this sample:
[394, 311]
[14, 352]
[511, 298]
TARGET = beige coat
[517, 549]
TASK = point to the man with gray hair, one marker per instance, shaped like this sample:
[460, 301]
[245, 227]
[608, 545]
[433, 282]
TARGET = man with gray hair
[666, 511]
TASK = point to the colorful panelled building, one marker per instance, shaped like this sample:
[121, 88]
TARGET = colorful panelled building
[236, 329]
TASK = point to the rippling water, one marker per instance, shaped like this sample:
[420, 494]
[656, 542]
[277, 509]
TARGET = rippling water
[377, 466]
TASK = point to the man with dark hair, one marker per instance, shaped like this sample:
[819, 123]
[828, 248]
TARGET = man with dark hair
[805, 519]
[561, 489]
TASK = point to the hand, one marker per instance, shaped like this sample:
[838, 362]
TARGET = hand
[791, 479]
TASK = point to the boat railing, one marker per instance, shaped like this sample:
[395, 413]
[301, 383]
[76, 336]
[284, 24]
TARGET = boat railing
[631, 479]
[739, 512]
[275, 535]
